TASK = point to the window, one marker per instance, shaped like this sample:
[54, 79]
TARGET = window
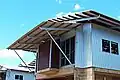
[105, 45]
[110, 46]
[68, 47]
[114, 47]
[18, 77]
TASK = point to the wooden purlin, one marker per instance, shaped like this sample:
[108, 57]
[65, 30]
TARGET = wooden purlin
[61, 19]
[35, 32]
[101, 18]
[107, 17]
[37, 40]
[66, 18]
[25, 35]
[74, 17]
[31, 40]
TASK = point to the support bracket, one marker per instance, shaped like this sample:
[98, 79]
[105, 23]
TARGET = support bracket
[54, 28]
[58, 47]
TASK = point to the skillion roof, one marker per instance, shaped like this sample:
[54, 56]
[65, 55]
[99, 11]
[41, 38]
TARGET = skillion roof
[61, 25]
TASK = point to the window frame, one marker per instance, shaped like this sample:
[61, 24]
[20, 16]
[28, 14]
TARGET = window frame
[105, 47]
[69, 54]
[110, 47]
[19, 77]
[16, 77]
[117, 53]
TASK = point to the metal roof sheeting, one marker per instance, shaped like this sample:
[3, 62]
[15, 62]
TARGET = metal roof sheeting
[30, 40]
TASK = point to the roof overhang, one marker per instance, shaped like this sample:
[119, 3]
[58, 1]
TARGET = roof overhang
[101, 19]
[31, 40]
[59, 26]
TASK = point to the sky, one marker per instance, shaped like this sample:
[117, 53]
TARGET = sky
[19, 16]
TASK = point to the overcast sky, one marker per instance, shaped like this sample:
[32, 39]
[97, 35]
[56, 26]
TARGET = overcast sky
[19, 16]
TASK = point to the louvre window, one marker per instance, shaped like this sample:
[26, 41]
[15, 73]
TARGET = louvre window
[18, 77]
[68, 46]
[21, 77]
[110, 47]
[114, 47]
[105, 45]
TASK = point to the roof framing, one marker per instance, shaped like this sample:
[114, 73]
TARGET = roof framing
[61, 25]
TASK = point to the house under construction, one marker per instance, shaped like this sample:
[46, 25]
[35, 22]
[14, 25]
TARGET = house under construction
[78, 46]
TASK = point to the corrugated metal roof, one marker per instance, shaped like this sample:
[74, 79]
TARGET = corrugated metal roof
[31, 40]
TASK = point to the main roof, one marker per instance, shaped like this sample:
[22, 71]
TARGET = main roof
[31, 40]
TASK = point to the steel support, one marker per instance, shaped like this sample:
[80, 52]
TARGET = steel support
[59, 47]
[22, 60]
[53, 28]
[84, 19]
[50, 56]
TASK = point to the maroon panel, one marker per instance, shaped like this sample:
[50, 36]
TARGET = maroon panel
[43, 59]
[55, 55]
[115, 78]
[43, 56]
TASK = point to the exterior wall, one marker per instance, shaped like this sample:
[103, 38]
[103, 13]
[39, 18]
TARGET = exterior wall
[79, 59]
[48, 56]
[103, 59]
[44, 52]
[65, 70]
[10, 75]
[88, 47]
[83, 49]
[84, 74]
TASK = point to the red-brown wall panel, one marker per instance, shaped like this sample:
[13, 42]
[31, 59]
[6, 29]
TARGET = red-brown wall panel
[44, 51]
[44, 54]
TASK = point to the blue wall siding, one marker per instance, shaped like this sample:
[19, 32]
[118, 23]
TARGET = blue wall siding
[83, 51]
[104, 59]
[79, 59]
[10, 75]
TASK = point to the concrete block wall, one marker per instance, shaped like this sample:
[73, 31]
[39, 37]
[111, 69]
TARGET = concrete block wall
[84, 74]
